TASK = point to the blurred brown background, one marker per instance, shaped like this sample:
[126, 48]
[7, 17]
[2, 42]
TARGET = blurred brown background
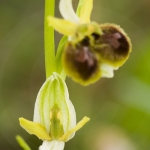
[119, 108]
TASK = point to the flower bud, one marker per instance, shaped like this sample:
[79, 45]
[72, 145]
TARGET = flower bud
[54, 115]
[53, 109]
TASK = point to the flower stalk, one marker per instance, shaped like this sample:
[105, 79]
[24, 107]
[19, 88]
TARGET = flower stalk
[49, 44]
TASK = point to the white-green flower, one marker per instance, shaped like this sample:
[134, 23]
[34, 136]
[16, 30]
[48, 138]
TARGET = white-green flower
[54, 119]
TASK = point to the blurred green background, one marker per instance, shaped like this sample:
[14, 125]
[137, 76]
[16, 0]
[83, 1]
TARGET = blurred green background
[119, 108]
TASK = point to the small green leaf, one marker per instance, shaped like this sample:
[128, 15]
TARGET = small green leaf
[60, 49]
[22, 143]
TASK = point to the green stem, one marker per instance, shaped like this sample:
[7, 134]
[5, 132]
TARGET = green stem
[50, 63]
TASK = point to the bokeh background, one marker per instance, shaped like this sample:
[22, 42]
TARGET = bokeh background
[119, 108]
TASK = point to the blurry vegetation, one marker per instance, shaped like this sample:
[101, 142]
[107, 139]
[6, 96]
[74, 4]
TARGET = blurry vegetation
[123, 101]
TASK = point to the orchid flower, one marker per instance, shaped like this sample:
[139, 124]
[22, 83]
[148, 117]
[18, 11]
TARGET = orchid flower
[54, 119]
[93, 50]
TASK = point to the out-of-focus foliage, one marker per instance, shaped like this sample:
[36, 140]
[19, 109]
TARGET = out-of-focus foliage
[119, 108]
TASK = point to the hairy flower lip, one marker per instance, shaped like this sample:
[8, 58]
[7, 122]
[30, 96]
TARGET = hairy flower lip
[78, 61]
[120, 52]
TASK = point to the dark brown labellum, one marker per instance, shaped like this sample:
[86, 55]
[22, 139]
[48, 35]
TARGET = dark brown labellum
[81, 59]
[113, 45]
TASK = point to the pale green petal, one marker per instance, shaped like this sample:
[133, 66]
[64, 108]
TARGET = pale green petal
[42, 105]
[34, 128]
[68, 115]
[79, 7]
[86, 10]
[62, 26]
[66, 10]
[52, 145]
[76, 128]
[68, 118]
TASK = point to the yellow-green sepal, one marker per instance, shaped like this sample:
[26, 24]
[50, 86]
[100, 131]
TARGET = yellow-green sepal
[62, 26]
[35, 128]
[85, 12]
[76, 128]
